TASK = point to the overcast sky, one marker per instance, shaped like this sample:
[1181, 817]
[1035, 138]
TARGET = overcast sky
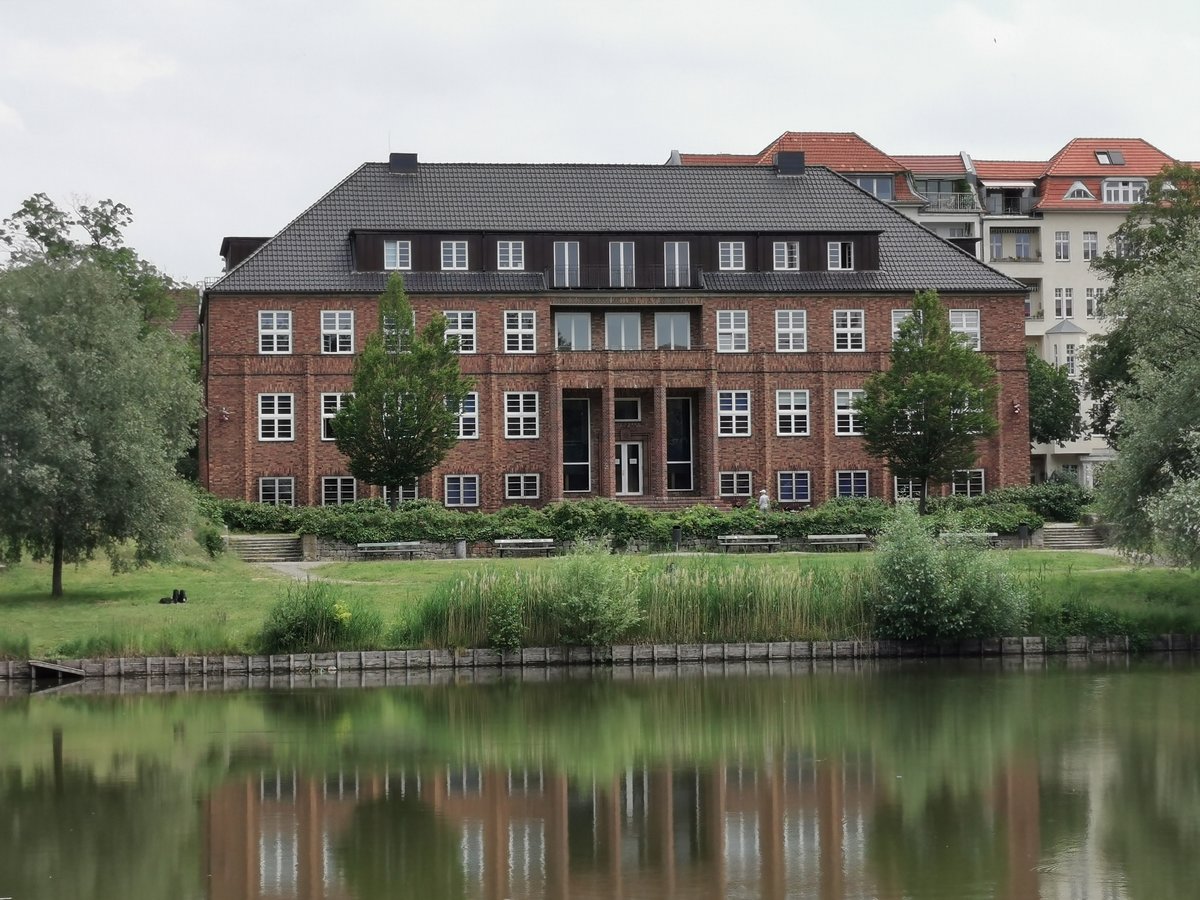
[213, 117]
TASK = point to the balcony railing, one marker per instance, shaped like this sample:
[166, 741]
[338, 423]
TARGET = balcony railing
[999, 205]
[622, 277]
[952, 201]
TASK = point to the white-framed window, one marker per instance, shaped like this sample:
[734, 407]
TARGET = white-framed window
[731, 256]
[275, 490]
[1091, 244]
[454, 255]
[733, 413]
[520, 414]
[793, 487]
[908, 488]
[966, 321]
[460, 324]
[853, 483]
[787, 256]
[734, 484]
[1129, 190]
[791, 413]
[400, 494]
[996, 239]
[274, 332]
[276, 417]
[845, 414]
[338, 489]
[840, 255]
[468, 417]
[677, 271]
[1093, 297]
[622, 331]
[1078, 191]
[520, 331]
[397, 254]
[1064, 303]
[791, 331]
[394, 341]
[566, 264]
[672, 331]
[1023, 242]
[881, 186]
[1062, 245]
[627, 409]
[331, 404]
[969, 482]
[337, 331]
[849, 330]
[898, 317]
[522, 485]
[510, 255]
[462, 490]
[573, 330]
[1069, 359]
[733, 331]
[620, 264]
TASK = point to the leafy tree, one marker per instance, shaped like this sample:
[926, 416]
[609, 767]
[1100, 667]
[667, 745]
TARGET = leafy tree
[1155, 229]
[402, 418]
[40, 230]
[928, 410]
[1053, 402]
[95, 410]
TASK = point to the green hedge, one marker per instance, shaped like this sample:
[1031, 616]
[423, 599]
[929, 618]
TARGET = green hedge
[1054, 501]
[622, 523]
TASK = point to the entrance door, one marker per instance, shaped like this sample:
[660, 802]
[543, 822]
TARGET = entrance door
[629, 467]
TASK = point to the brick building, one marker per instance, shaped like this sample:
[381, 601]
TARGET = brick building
[664, 335]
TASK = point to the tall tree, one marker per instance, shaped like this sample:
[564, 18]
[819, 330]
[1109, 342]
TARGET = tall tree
[1155, 229]
[927, 412]
[1053, 402]
[95, 410]
[41, 231]
[402, 418]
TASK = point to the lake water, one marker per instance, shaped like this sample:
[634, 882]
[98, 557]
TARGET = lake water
[919, 780]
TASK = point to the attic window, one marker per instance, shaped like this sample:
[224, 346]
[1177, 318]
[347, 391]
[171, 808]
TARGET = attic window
[1079, 191]
[1110, 157]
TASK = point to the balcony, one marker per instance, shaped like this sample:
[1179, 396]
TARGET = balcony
[1002, 205]
[621, 277]
[952, 201]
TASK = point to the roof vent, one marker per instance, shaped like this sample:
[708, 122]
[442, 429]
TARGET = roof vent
[789, 162]
[402, 163]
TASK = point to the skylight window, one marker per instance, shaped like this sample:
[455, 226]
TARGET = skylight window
[1110, 157]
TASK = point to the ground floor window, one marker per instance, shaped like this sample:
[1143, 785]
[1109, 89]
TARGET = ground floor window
[337, 489]
[400, 494]
[522, 486]
[576, 444]
[735, 484]
[968, 482]
[909, 488]
[793, 487]
[462, 490]
[852, 483]
[277, 491]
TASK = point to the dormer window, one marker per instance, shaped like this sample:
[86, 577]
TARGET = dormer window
[1110, 157]
[1079, 191]
[787, 255]
[840, 255]
[454, 255]
[1132, 190]
[510, 255]
[881, 186]
[397, 254]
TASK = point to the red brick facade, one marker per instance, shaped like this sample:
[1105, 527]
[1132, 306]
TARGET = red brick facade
[233, 458]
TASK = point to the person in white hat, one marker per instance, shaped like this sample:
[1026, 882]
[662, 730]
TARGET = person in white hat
[764, 502]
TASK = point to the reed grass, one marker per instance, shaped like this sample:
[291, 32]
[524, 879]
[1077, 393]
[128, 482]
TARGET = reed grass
[14, 647]
[208, 636]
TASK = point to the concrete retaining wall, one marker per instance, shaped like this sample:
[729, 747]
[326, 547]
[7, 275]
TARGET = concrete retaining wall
[626, 654]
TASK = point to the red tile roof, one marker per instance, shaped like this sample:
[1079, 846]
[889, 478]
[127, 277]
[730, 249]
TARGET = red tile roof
[1009, 170]
[933, 165]
[1078, 157]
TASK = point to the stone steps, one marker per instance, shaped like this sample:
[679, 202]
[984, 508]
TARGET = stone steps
[263, 548]
[1070, 537]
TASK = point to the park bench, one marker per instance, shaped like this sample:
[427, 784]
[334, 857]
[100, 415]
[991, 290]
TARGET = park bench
[532, 545]
[991, 538]
[857, 541]
[746, 541]
[409, 547]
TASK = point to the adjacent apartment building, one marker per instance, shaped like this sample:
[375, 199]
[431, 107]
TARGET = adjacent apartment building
[665, 335]
[1040, 222]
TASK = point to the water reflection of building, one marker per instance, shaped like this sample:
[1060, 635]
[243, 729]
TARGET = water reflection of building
[792, 827]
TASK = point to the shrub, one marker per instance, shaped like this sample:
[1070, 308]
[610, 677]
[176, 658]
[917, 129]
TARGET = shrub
[971, 514]
[314, 618]
[1054, 501]
[930, 588]
[506, 625]
[599, 605]
[209, 537]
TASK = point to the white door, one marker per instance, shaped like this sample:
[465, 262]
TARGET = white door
[629, 467]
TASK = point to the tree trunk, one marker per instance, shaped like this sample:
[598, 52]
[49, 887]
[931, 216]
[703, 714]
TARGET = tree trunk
[56, 566]
[923, 503]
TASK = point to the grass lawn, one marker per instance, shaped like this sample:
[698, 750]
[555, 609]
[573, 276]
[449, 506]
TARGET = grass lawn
[228, 599]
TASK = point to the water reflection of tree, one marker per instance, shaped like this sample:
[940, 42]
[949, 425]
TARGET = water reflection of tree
[394, 844]
[72, 835]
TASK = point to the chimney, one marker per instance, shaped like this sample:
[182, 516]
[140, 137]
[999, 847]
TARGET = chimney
[402, 163]
[789, 162]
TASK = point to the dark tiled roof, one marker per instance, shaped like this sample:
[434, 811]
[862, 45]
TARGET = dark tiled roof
[312, 254]
[455, 282]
